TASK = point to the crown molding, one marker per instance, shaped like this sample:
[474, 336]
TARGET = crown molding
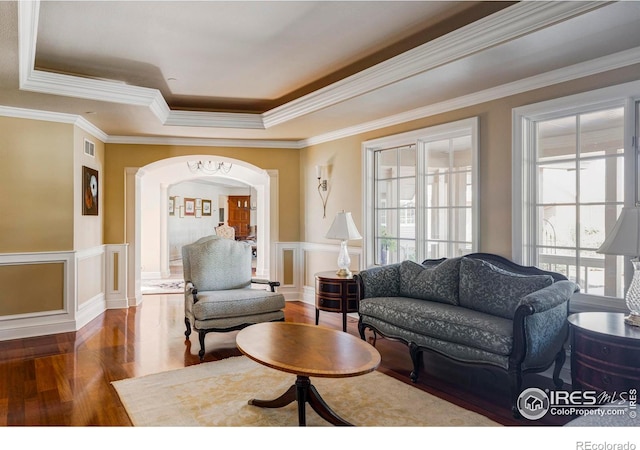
[203, 142]
[593, 67]
[215, 120]
[503, 26]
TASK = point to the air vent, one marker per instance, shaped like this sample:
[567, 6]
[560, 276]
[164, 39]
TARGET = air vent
[89, 148]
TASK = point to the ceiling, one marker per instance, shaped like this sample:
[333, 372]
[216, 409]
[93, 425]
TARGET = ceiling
[291, 73]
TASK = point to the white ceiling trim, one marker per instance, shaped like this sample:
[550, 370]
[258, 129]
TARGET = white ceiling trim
[204, 142]
[503, 26]
[48, 116]
[506, 25]
[599, 65]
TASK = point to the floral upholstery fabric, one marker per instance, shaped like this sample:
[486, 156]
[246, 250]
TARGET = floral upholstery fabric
[382, 281]
[438, 283]
[444, 322]
[456, 351]
[218, 264]
[487, 288]
[226, 232]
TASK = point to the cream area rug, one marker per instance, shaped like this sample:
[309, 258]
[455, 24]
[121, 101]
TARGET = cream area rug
[217, 394]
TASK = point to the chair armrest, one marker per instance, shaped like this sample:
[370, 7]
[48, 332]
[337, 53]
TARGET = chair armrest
[272, 284]
[190, 288]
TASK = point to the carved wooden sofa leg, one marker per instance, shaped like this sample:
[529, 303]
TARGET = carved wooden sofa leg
[515, 385]
[416, 359]
[560, 359]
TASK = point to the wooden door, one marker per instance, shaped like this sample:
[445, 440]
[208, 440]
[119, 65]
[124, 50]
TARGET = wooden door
[239, 214]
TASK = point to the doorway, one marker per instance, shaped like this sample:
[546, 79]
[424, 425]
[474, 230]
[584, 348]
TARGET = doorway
[147, 208]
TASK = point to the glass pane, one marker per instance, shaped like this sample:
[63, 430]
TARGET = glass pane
[436, 250]
[407, 192]
[557, 183]
[386, 163]
[602, 132]
[461, 248]
[407, 223]
[437, 190]
[437, 223]
[387, 223]
[407, 161]
[592, 229]
[558, 260]
[462, 155]
[437, 156]
[556, 138]
[602, 180]
[557, 226]
[462, 226]
[460, 189]
[387, 193]
[387, 251]
[407, 250]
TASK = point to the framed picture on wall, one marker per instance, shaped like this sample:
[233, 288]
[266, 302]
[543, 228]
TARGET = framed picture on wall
[181, 209]
[189, 206]
[198, 213]
[198, 204]
[206, 207]
[89, 191]
[221, 216]
[172, 205]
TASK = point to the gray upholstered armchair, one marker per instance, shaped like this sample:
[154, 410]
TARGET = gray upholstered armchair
[220, 293]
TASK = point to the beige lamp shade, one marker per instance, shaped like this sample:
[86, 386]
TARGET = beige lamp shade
[624, 239]
[343, 228]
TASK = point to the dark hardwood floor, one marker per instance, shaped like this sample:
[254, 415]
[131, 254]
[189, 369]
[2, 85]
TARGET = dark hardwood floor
[65, 379]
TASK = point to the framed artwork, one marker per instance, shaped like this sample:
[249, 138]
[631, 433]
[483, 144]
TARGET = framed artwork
[181, 208]
[221, 215]
[172, 205]
[206, 207]
[198, 203]
[89, 191]
[198, 213]
[189, 206]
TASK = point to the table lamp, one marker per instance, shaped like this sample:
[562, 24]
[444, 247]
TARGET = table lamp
[343, 229]
[624, 239]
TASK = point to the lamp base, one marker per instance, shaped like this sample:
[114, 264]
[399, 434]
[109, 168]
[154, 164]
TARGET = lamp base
[346, 273]
[633, 320]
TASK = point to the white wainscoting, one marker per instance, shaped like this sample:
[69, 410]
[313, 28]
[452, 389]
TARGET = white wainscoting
[94, 280]
[297, 289]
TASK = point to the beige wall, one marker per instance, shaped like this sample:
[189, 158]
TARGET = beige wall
[89, 229]
[36, 186]
[345, 159]
[121, 156]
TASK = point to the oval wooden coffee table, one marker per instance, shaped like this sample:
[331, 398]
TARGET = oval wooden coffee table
[306, 351]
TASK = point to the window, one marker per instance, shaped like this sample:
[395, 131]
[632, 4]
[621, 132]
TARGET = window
[421, 188]
[573, 172]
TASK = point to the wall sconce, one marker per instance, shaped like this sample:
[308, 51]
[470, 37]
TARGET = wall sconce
[322, 187]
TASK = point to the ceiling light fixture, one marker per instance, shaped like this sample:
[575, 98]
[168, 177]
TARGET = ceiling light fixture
[208, 167]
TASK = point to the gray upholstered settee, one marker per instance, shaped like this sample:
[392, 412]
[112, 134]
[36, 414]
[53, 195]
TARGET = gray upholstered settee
[480, 309]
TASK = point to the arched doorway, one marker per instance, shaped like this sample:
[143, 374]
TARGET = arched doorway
[146, 205]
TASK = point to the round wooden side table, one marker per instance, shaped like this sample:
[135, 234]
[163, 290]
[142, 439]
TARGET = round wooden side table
[336, 294]
[605, 352]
